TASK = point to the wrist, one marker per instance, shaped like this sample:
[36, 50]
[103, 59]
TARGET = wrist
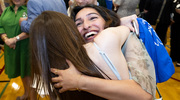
[17, 38]
[4, 38]
[79, 83]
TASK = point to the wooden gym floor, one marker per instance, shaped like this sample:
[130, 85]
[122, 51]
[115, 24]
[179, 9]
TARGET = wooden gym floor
[10, 89]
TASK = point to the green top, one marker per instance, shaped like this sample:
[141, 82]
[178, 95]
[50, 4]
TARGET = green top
[16, 61]
[9, 21]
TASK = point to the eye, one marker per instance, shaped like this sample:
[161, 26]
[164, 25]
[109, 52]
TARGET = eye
[92, 18]
[78, 24]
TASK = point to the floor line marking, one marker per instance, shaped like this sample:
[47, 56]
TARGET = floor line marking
[4, 90]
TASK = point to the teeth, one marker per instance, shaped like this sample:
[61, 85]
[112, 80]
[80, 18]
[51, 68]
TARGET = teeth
[90, 34]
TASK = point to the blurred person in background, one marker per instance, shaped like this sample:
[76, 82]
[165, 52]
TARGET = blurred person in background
[2, 7]
[125, 7]
[175, 33]
[16, 48]
[36, 7]
[157, 13]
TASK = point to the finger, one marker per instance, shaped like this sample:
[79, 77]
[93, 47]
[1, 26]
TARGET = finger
[62, 90]
[134, 16]
[10, 46]
[69, 62]
[56, 79]
[131, 28]
[71, 66]
[55, 71]
[58, 85]
[14, 47]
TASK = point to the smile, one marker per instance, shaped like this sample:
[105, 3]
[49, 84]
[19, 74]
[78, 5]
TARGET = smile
[90, 34]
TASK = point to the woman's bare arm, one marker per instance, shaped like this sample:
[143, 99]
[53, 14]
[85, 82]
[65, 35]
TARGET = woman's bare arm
[71, 79]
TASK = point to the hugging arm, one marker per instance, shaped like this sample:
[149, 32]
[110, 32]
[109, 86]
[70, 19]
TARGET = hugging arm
[71, 79]
[109, 89]
[127, 21]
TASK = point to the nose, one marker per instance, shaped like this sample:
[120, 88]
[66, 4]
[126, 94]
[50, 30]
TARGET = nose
[86, 25]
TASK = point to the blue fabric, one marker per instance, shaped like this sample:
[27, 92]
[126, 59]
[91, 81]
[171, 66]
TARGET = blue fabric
[36, 7]
[109, 4]
[163, 63]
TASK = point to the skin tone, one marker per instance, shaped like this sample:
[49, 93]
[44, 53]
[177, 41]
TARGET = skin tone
[127, 21]
[115, 5]
[124, 21]
[89, 24]
[85, 2]
[88, 21]
[22, 19]
[2, 5]
[70, 2]
[18, 3]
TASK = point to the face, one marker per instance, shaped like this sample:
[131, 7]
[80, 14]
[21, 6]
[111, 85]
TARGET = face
[84, 2]
[89, 23]
[18, 2]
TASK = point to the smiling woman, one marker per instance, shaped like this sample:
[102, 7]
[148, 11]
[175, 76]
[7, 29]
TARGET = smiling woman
[101, 70]
[88, 25]
[104, 46]
[90, 21]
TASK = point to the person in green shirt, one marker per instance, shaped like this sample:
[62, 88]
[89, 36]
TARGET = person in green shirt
[16, 47]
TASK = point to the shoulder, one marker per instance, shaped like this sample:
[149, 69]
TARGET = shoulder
[34, 6]
[7, 9]
[113, 35]
[117, 31]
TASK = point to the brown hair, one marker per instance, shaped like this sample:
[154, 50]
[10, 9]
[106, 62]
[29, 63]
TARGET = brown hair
[53, 39]
[111, 18]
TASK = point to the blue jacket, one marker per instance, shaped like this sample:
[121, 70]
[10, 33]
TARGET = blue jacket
[163, 63]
